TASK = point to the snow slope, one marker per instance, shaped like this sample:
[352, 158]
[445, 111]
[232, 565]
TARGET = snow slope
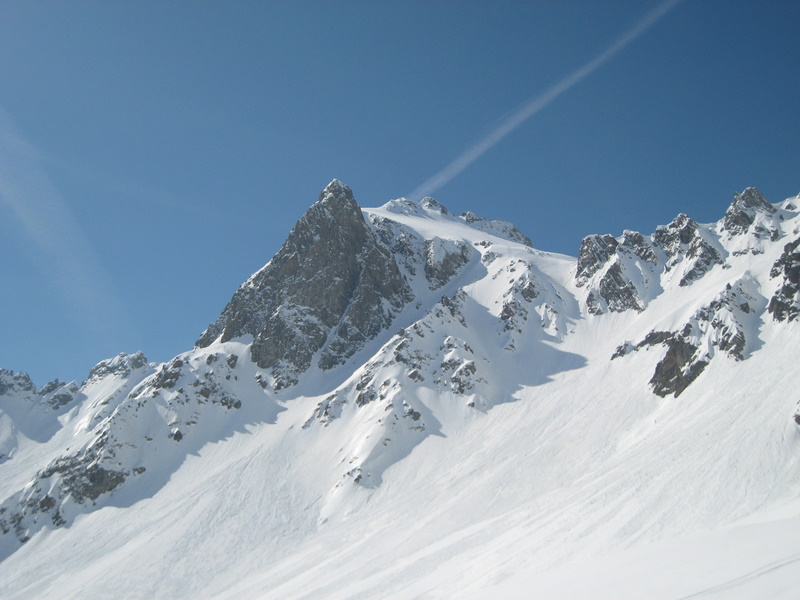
[484, 444]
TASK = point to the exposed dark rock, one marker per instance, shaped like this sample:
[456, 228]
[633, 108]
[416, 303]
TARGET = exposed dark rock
[121, 366]
[331, 287]
[82, 478]
[742, 213]
[452, 306]
[406, 245]
[366, 390]
[717, 325]
[785, 304]
[414, 414]
[230, 403]
[12, 383]
[327, 410]
[522, 292]
[677, 369]
[681, 240]
[595, 252]
[51, 387]
[635, 243]
[614, 291]
[619, 293]
[61, 399]
[167, 376]
[622, 350]
[444, 259]
[654, 337]
[462, 378]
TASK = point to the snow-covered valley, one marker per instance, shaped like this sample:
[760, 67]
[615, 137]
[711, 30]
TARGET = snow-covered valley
[406, 403]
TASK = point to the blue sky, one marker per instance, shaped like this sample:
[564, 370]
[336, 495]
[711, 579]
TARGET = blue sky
[155, 154]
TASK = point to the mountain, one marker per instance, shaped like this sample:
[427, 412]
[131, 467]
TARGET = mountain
[404, 402]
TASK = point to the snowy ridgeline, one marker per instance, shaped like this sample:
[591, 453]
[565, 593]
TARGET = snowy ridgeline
[405, 401]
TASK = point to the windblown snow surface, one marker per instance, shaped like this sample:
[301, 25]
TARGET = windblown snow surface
[547, 471]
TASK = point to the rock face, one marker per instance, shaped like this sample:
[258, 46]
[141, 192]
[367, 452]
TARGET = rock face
[330, 288]
[616, 272]
[688, 249]
[785, 304]
[444, 259]
[719, 326]
[742, 214]
[15, 384]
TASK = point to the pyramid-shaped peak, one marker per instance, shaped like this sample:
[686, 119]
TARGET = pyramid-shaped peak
[336, 187]
[337, 193]
[329, 289]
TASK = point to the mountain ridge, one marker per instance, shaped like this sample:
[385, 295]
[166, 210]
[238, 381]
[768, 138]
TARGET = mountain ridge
[373, 332]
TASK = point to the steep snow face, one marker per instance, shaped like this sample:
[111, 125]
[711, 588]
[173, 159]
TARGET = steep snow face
[430, 392]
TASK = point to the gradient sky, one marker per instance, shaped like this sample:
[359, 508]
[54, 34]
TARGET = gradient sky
[154, 154]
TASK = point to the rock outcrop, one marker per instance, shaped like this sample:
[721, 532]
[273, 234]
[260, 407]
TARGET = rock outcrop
[785, 304]
[722, 325]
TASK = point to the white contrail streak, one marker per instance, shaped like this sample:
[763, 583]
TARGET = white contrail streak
[539, 102]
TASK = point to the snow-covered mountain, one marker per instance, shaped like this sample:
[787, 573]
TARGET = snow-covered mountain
[408, 403]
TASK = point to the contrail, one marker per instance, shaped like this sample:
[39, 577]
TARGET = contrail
[539, 102]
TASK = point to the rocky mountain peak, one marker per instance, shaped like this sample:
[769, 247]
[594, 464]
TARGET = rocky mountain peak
[338, 197]
[331, 287]
[605, 269]
[686, 248]
[681, 230]
[751, 198]
[12, 383]
[744, 209]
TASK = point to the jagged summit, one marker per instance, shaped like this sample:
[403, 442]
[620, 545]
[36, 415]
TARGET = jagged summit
[751, 198]
[745, 210]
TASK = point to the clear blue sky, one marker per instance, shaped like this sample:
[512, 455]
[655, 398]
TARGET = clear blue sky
[155, 154]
